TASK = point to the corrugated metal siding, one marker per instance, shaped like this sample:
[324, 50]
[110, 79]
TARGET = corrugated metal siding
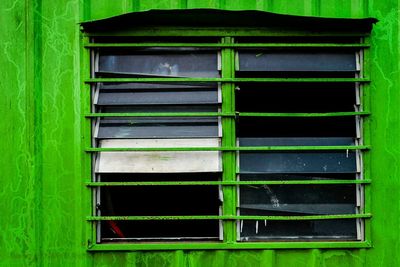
[42, 214]
[262, 258]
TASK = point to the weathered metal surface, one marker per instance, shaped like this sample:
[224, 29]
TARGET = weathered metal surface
[42, 209]
[159, 162]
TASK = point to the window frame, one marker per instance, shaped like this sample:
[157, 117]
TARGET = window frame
[228, 141]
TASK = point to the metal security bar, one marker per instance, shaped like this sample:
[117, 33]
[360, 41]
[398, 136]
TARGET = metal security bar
[231, 45]
[230, 183]
[258, 148]
[270, 218]
[228, 115]
[237, 114]
[228, 80]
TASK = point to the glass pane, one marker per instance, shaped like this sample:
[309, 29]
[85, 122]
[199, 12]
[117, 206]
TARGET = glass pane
[296, 176]
[297, 200]
[157, 94]
[159, 62]
[164, 86]
[126, 97]
[298, 230]
[158, 127]
[159, 177]
[267, 60]
[158, 161]
[297, 161]
[157, 108]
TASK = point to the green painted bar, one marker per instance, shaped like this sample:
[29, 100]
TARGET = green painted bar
[158, 114]
[366, 103]
[232, 45]
[86, 126]
[216, 114]
[229, 217]
[330, 114]
[228, 139]
[227, 80]
[243, 148]
[230, 183]
[235, 246]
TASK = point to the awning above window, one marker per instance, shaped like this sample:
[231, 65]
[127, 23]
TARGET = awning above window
[225, 18]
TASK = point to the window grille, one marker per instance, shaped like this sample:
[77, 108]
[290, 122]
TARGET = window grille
[231, 141]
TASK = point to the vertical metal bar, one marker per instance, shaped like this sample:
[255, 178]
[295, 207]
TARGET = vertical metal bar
[228, 140]
[85, 95]
[365, 106]
[95, 124]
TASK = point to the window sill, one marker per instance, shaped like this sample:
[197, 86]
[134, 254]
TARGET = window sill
[234, 246]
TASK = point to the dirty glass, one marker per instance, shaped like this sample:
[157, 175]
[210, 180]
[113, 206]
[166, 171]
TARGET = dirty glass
[158, 62]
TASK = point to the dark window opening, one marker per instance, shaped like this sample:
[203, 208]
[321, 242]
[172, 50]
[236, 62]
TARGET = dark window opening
[295, 97]
[160, 230]
[160, 200]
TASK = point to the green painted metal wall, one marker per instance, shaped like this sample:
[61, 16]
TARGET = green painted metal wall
[41, 207]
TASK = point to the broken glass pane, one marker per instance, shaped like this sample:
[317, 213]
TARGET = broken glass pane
[306, 230]
[297, 200]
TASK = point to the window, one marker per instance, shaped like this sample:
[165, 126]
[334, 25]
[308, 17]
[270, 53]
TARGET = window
[228, 141]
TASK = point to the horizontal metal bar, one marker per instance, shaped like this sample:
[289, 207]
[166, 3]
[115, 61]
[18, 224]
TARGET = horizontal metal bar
[329, 114]
[229, 183]
[231, 246]
[217, 114]
[221, 32]
[228, 217]
[229, 80]
[256, 148]
[222, 45]
[161, 114]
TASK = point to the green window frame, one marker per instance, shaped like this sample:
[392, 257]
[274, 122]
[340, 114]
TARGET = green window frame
[228, 49]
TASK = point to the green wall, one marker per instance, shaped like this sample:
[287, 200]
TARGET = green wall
[42, 212]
